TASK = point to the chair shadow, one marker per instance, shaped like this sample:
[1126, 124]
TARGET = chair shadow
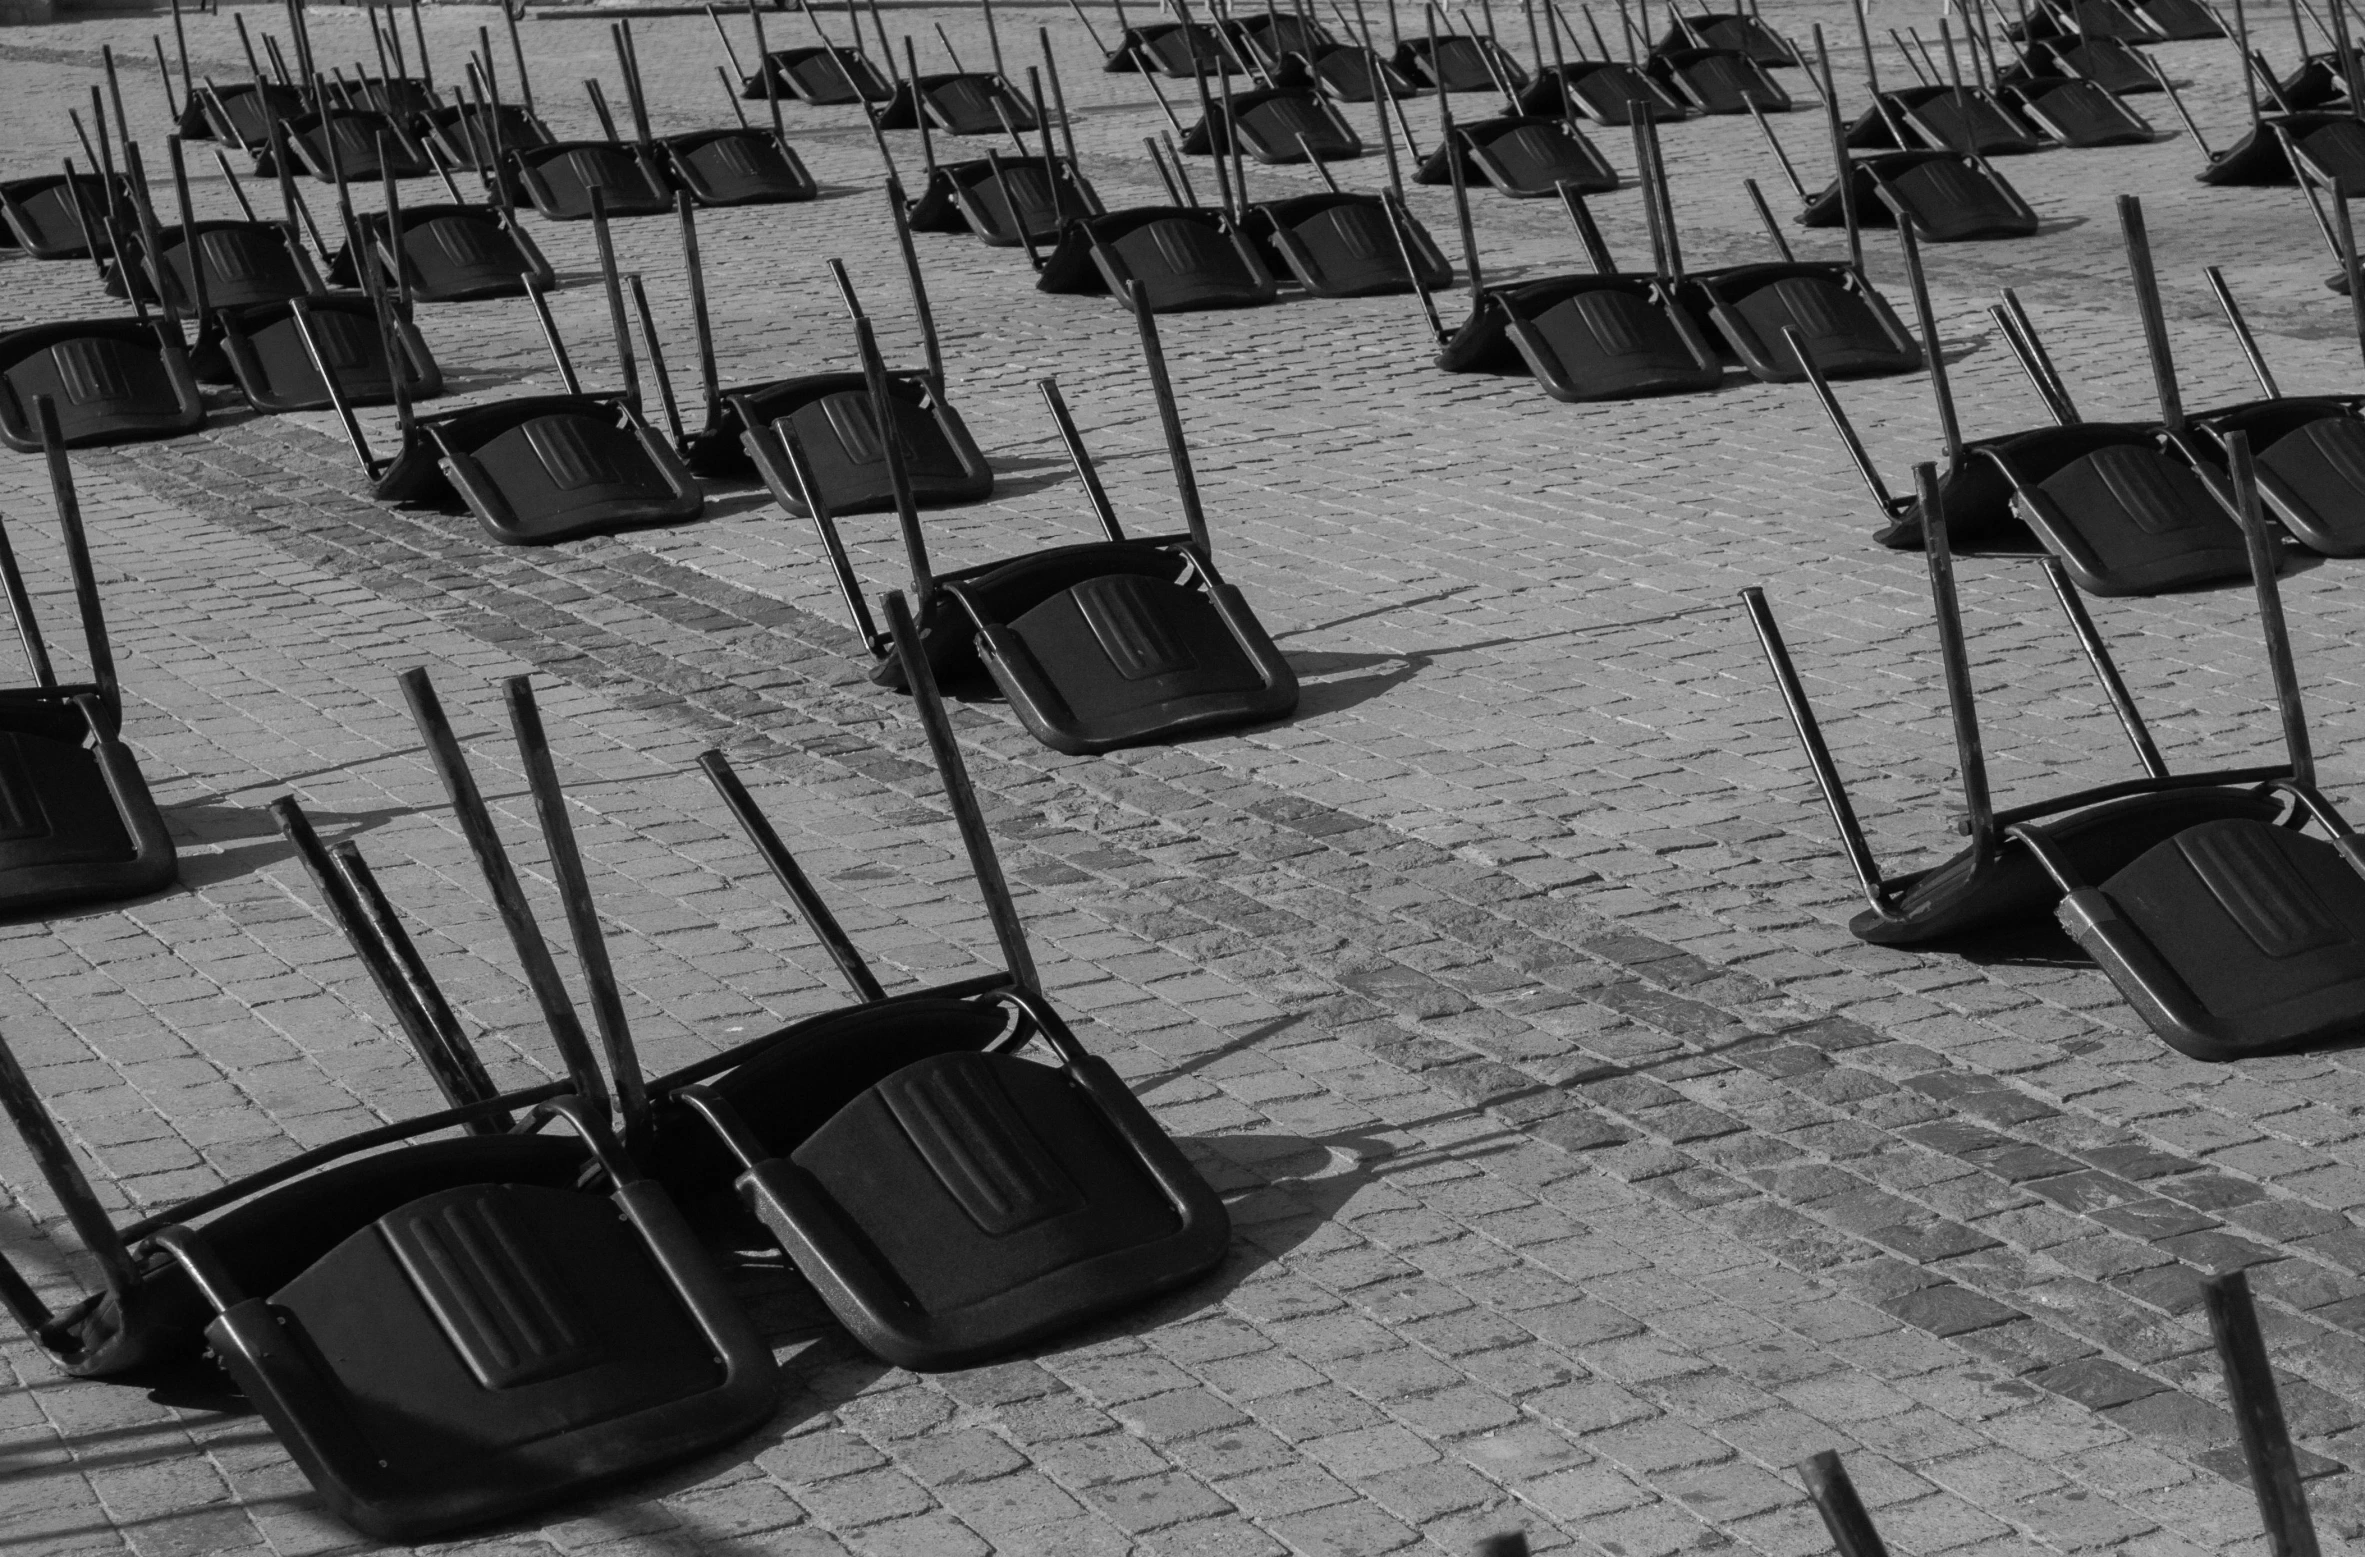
[205, 822]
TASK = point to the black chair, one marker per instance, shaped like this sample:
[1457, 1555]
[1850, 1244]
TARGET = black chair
[2077, 113]
[2309, 451]
[2242, 936]
[53, 216]
[741, 166]
[77, 824]
[816, 433]
[972, 1202]
[1776, 317]
[1610, 335]
[543, 468]
[561, 178]
[2124, 513]
[1100, 645]
[443, 1332]
[1998, 881]
[108, 380]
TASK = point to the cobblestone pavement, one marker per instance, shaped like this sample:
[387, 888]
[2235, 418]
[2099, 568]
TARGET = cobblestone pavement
[1586, 1173]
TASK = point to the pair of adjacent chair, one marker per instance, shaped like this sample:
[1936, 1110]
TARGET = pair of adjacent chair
[445, 1331]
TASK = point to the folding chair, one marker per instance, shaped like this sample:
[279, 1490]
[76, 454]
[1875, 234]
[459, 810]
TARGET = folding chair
[77, 824]
[1997, 881]
[1458, 62]
[1606, 336]
[815, 433]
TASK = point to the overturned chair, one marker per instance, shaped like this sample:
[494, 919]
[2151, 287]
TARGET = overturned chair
[2231, 932]
[77, 824]
[343, 1288]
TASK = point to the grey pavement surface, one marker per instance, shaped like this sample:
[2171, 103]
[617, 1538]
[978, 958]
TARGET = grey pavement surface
[1586, 1173]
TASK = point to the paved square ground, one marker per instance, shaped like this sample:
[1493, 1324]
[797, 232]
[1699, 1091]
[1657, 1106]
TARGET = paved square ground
[1586, 1173]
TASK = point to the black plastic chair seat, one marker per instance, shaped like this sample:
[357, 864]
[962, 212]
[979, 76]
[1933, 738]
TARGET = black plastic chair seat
[270, 1239]
[1276, 125]
[252, 111]
[41, 215]
[2010, 890]
[1737, 32]
[467, 134]
[245, 262]
[1524, 157]
[796, 1083]
[1274, 35]
[1184, 258]
[275, 371]
[1945, 120]
[1120, 659]
[2086, 18]
[2107, 62]
[2334, 152]
[1002, 591]
[76, 825]
[2179, 21]
[960, 103]
[737, 167]
[1849, 329]
[2311, 466]
[1346, 245]
[554, 467]
[2234, 939]
[1171, 49]
[818, 76]
[358, 133]
[455, 253]
[831, 416]
[492, 1347]
[972, 1204]
[2123, 517]
[2317, 82]
[1719, 81]
[977, 197]
[114, 381]
[2079, 113]
[1605, 91]
[1587, 338]
[1949, 198]
[1459, 64]
[560, 177]
[1345, 74]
